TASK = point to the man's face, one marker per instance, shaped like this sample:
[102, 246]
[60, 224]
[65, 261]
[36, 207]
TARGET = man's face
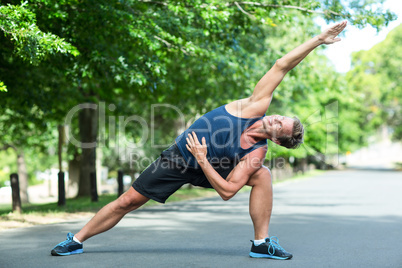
[278, 125]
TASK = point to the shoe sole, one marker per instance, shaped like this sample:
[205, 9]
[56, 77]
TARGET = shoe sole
[266, 256]
[77, 251]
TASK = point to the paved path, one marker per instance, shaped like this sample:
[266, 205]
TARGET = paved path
[339, 219]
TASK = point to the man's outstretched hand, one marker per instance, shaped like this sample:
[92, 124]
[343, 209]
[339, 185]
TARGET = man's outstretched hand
[329, 36]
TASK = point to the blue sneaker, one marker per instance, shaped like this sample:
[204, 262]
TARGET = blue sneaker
[67, 247]
[270, 249]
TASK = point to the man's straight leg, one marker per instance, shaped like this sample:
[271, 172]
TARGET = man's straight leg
[161, 179]
[111, 214]
[105, 219]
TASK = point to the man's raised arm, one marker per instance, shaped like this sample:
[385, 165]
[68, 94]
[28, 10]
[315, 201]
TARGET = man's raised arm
[262, 94]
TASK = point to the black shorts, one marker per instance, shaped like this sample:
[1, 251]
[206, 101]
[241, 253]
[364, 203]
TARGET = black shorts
[169, 172]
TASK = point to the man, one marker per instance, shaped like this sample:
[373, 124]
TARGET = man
[230, 155]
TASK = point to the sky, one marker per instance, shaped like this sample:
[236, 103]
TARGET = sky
[359, 39]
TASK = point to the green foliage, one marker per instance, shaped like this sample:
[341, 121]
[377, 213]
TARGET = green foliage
[3, 87]
[376, 78]
[19, 24]
[36, 160]
[193, 54]
[8, 165]
[360, 12]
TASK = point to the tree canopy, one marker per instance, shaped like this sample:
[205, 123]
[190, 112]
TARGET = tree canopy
[195, 55]
[376, 77]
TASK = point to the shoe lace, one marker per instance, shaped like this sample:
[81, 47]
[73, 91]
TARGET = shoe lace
[68, 240]
[273, 245]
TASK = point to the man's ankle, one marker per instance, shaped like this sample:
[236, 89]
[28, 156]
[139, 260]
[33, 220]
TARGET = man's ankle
[259, 242]
[77, 240]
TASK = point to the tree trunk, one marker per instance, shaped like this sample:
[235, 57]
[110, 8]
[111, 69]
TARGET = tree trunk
[23, 177]
[303, 165]
[73, 177]
[88, 124]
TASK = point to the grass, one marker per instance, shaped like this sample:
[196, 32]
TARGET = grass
[84, 204]
[306, 175]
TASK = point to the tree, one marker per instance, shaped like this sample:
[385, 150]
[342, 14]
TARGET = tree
[27, 41]
[23, 41]
[144, 52]
[376, 76]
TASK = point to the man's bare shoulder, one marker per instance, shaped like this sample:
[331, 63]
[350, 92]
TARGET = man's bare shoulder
[244, 108]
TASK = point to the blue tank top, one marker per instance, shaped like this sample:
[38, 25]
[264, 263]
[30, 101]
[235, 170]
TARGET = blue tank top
[222, 133]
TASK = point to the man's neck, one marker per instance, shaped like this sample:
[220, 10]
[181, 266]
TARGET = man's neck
[257, 132]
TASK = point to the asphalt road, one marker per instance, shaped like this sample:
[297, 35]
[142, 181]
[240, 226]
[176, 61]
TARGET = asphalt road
[339, 219]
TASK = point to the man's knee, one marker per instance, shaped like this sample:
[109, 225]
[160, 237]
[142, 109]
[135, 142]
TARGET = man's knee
[262, 175]
[131, 200]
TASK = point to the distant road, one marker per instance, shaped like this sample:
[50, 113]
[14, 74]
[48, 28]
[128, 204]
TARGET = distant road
[380, 155]
[339, 219]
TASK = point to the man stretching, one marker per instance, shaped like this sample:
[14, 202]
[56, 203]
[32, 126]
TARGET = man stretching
[225, 150]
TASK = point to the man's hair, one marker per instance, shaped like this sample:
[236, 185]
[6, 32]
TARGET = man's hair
[294, 141]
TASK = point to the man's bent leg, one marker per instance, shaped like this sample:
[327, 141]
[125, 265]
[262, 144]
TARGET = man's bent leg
[260, 206]
[111, 214]
[260, 212]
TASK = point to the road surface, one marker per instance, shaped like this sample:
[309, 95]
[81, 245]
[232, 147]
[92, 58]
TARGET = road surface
[349, 218]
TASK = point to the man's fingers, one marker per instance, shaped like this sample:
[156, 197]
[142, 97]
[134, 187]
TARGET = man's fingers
[188, 147]
[338, 26]
[341, 24]
[195, 138]
[191, 139]
[341, 27]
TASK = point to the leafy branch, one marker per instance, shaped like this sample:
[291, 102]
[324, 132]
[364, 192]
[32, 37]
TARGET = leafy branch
[30, 43]
[359, 14]
[3, 87]
[325, 12]
[258, 4]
